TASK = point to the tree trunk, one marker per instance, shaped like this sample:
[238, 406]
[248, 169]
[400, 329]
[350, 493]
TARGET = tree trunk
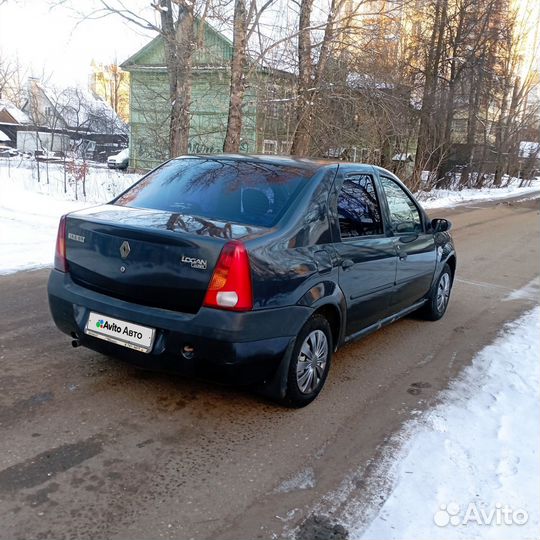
[426, 136]
[500, 135]
[178, 41]
[300, 144]
[237, 85]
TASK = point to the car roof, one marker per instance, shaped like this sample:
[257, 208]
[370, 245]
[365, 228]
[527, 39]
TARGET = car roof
[309, 164]
[291, 161]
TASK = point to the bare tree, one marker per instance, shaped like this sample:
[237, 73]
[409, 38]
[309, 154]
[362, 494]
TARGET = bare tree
[12, 80]
[111, 83]
[245, 21]
[175, 23]
[300, 145]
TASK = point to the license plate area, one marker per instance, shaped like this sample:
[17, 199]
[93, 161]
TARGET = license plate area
[128, 334]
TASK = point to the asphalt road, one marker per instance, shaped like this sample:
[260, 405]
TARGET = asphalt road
[93, 448]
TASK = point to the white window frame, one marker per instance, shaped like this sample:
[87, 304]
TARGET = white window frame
[285, 147]
[272, 143]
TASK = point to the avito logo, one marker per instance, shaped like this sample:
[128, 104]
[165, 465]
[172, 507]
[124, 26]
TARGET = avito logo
[500, 515]
[113, 327]
[106, 325]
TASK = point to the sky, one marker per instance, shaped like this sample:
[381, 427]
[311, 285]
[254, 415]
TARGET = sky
[54, 40]
[58, 44]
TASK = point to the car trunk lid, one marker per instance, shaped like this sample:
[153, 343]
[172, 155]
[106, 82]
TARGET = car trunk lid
[149, 257]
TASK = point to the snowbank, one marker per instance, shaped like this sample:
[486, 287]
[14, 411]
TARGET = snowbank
[470, 467]
[29, 211]
[102, 184]
[439, 198]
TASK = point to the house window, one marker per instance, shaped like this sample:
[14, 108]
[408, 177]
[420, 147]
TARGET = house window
[286, 147]
[270, 147]
[273, 110]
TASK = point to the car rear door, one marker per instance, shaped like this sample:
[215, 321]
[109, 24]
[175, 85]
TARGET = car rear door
[415, 247]
[367, 257]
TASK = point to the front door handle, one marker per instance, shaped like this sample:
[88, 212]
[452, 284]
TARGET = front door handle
[347, 263]
[407, 238]
[402, 256]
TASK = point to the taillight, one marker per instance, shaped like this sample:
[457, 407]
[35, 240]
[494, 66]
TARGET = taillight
[60, 261]
[230, 286]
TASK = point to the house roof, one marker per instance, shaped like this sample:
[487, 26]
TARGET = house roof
[217, 51]
[215, 54]
[78, 108]
[18, 116]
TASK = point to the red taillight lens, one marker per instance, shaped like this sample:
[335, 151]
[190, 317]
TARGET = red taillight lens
[60, 261]
[230, 286]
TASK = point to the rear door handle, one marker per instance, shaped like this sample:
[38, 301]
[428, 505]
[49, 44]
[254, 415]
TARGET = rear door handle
[402, 256]
[347, 263]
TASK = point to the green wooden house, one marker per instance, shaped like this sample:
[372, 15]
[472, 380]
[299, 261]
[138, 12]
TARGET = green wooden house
[266, 102]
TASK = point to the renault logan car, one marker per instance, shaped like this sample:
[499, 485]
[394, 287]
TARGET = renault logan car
[251, 270]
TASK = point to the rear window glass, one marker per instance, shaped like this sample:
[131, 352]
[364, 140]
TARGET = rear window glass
[244, 192]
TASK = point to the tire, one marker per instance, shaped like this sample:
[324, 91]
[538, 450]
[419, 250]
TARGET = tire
[306, 376]
[435, 308]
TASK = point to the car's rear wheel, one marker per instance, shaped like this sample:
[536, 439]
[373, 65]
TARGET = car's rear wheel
[435, 307]
[310, 362]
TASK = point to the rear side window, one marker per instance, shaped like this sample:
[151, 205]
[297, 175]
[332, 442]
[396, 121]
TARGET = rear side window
[404, 215]
[358, 207]
[243, 192]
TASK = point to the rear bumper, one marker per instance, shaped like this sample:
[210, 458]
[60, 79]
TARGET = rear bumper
[237, 348]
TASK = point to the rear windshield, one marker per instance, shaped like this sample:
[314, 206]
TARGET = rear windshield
[244, 192]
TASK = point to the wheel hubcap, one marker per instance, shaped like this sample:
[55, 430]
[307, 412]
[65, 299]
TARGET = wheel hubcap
[443, 292]
[312, 361]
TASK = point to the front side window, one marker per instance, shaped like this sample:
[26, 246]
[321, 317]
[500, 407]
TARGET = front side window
[404, 215]
[358, 208]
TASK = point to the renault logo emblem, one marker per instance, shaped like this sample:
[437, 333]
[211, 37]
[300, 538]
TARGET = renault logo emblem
[125, 249]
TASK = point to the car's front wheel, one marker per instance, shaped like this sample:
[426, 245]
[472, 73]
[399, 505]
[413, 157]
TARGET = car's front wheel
[437, 303]
[310, 362]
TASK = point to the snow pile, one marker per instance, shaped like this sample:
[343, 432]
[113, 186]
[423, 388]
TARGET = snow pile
[29, 211]
[438, 198]
[102, 184]
[470, 468]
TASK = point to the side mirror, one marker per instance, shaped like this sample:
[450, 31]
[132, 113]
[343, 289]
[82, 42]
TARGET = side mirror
[440, 225]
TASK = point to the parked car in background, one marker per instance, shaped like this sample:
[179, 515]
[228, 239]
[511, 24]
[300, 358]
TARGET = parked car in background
[119, 161]
[253, 270]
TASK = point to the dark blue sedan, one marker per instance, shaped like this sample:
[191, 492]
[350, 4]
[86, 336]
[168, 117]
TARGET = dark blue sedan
[248, 269]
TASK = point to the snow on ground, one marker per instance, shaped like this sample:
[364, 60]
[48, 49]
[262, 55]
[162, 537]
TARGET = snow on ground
[438, 198]
[29, 211]
[470, 467]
